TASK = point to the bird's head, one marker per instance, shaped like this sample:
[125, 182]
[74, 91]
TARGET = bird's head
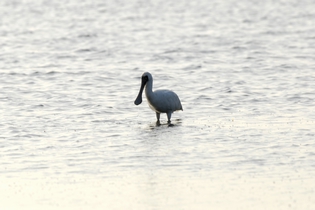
[146, 76]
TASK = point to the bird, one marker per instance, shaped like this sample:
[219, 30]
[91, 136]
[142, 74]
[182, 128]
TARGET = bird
[160, 101]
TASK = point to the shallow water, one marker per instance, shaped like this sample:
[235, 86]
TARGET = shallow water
[72, 138]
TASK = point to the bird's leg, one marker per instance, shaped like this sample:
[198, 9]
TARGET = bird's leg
[169, 114]
[158, 118]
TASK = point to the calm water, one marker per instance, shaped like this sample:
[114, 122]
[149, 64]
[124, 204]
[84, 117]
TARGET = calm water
[71, 137]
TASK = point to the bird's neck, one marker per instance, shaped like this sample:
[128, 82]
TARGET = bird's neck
[148, 88]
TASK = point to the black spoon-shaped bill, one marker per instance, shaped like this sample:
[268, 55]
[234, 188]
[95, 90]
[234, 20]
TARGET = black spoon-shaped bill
[139, 97]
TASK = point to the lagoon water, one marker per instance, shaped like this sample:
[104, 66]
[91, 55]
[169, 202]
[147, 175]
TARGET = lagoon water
[72, 138]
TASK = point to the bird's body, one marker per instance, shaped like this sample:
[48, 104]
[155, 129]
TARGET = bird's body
[160, 101]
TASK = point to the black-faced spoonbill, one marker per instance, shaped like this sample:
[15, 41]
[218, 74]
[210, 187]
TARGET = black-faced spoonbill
[160, 101]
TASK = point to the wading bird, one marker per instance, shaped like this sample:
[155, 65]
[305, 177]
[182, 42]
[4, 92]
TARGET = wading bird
[160, 101]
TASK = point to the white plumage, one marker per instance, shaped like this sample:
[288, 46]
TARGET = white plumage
[160, 101]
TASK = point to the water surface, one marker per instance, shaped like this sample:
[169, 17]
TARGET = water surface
[72, 138]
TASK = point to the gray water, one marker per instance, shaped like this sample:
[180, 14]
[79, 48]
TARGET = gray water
[72, 138]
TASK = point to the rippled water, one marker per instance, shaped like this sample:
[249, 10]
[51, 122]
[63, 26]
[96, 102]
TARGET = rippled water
[72, 138]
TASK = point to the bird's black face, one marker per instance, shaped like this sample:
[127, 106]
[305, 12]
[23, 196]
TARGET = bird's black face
[145, 79]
